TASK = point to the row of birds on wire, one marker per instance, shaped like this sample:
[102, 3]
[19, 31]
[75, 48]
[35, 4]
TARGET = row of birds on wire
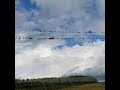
[30, 37]
[51, 38]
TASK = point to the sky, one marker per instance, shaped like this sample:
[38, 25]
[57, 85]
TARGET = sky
[60, 57]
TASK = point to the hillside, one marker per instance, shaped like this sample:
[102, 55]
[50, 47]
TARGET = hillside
[53, 83]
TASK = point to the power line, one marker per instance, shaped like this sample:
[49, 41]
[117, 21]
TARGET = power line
[38, 36]
[44, 31]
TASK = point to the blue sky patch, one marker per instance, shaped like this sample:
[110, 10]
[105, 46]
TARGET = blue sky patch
[28, 5]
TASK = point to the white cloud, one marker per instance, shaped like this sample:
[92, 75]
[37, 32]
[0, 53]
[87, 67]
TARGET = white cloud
[43, 61]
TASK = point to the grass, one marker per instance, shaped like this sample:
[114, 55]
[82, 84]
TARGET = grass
[96, 86]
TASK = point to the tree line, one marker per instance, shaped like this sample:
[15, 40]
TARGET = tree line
[52, 83]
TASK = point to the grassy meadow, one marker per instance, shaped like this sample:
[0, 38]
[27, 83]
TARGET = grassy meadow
[96, 86]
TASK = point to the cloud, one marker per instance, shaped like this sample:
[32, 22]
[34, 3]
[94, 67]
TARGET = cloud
[73, 15]
[55, 7]
[60, 7]
[44, 61]
[97, 71]
[35, 59]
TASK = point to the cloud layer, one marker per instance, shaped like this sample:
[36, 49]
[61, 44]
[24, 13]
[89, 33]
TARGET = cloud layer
[43, 61]
[60, 7]
[72, 15]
